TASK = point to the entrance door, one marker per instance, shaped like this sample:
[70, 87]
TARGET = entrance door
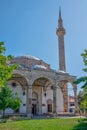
[34, 103]
[34, 109]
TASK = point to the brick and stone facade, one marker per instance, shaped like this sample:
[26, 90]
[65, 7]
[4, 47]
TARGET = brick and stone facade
[38, 85]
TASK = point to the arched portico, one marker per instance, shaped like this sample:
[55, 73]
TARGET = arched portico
[18, 84]
[63, 84]
[43, 87]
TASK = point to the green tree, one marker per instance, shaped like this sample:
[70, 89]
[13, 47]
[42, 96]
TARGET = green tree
[8, 99]
[5, 69]
[84, 78]
[15, 103]
[83, 103]
[82, 97]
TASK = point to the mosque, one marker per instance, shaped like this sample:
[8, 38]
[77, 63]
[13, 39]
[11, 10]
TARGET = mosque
[41, 89]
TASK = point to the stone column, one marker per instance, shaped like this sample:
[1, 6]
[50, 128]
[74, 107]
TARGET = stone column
[65, 97]
[75, 97]
[54, 100]
[63, 86]
[29, 101]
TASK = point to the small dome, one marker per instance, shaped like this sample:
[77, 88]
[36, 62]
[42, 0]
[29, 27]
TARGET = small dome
[21, 66]
[39, 66]
[29, 57]
[61, 71]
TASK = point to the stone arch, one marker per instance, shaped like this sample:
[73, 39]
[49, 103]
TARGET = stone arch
[21, 74]
[41, 77]
[40, 85]
[68, 79]
[21, 88]
[64, 80]
[23, 81]
[42, 81]
[63, 84]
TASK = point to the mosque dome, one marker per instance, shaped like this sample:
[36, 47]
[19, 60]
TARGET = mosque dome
[29, 57]
[29, 61]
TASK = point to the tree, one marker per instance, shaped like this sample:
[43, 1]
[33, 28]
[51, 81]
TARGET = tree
[83, 79]
[15, 103]
[5, 69]
[83, 105]
[8, 99]
[82, 97]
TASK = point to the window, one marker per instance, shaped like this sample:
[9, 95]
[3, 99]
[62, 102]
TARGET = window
[23, 93]
[49, 107]
[51, 87]
[14, 84]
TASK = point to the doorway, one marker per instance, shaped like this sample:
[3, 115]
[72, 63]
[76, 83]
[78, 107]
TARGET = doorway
[34, 109]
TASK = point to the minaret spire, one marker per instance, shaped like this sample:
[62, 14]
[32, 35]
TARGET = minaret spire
[60, 13]
[60, 33]
[60, 21]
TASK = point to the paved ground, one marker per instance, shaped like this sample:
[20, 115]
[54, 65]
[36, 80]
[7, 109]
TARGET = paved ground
[49, 117]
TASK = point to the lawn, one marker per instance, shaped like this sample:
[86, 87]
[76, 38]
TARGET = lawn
[46, 124]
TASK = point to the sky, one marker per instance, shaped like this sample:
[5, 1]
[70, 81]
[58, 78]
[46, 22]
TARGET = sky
[29, 27]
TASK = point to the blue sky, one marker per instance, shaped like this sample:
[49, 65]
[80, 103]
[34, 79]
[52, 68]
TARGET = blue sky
[29, 27]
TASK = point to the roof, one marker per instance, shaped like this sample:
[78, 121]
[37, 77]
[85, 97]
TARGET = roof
[29, 57]
[39, 66]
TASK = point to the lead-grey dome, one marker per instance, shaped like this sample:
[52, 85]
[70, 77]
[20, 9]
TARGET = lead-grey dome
[31, 62]
[29, 57]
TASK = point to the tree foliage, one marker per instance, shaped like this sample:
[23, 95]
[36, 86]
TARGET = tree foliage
[82, 96]
[83, 100]
[5, 69]
[15, 103]
[84, 78]
[8, 99]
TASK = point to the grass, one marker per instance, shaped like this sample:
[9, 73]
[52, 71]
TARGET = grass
[46, 124]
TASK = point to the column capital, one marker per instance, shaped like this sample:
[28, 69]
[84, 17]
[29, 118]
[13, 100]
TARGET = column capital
[29, 86]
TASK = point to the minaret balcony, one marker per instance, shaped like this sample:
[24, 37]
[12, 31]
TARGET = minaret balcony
[60, 31]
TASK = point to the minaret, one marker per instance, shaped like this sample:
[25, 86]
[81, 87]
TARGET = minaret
[60, 33]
